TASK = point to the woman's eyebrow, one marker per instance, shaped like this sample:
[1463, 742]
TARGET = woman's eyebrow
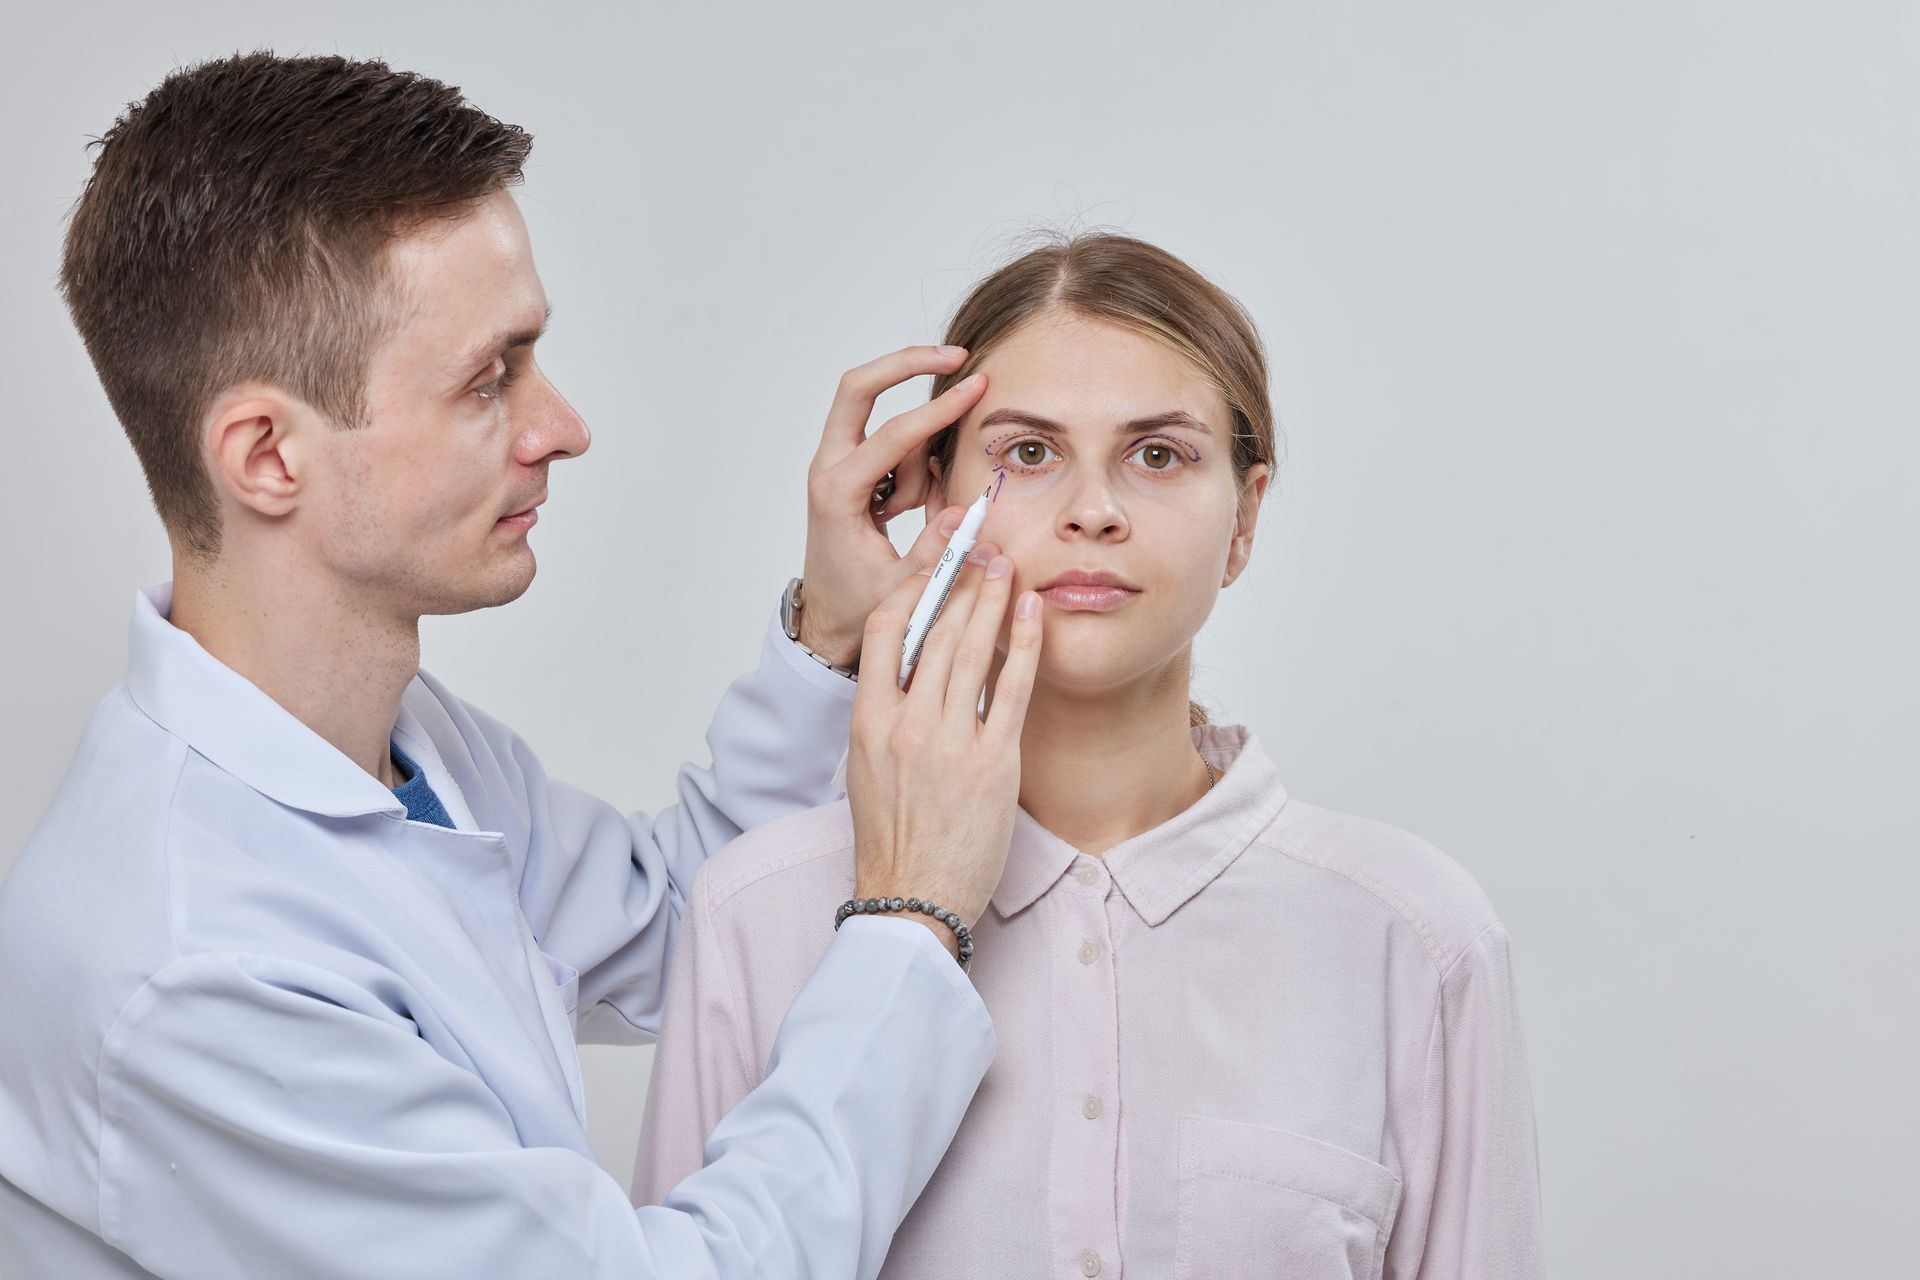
[1157, 422]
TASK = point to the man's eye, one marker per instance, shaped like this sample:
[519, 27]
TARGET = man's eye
[492, 390]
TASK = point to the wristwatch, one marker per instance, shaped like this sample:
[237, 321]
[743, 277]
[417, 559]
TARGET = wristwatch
[790, 607]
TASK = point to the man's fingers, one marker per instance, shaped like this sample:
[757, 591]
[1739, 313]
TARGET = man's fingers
[931, 541]
[929, 683]
[974, 655]
[911, 480]
[879, 684]
[1008, 714]
[860, 387]
[886, 449]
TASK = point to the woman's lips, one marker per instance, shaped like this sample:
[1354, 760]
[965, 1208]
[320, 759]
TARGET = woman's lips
[1091, 599]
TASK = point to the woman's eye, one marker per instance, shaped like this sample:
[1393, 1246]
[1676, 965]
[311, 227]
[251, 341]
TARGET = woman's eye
[1029, 453]
[1155, 457]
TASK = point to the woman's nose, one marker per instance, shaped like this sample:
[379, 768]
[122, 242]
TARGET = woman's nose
[1093, 510]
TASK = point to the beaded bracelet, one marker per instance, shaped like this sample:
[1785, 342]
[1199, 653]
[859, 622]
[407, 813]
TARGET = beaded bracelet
[874, 906]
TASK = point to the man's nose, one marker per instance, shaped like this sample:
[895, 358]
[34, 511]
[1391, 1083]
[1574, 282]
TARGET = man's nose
[557, 431]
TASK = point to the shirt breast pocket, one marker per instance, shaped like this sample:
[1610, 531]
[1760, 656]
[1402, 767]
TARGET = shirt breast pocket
[566, 980]
[1266, 1204]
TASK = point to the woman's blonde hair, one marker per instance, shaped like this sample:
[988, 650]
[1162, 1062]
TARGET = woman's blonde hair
[1138, 286]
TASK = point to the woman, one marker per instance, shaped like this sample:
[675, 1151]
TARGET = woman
[1238, 1035]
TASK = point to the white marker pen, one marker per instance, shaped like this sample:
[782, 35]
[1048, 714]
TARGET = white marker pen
[945, 574]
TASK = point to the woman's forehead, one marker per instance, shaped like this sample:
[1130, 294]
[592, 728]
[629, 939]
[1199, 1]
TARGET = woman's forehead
[1092, 374]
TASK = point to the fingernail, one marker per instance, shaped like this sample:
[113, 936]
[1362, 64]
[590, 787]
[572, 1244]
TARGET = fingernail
[950, 519]
[951, 352]
[971, 381]
[1029, 603]
[999, 567]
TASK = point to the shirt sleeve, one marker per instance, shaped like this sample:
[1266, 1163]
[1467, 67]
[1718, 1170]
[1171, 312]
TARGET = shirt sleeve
[603, 890]
[1481, 1210]
[262, 1116]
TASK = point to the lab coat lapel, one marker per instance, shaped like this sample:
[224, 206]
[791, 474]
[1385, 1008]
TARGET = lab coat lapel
[497, 1007]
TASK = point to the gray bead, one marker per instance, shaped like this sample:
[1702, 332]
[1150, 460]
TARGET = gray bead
[897, 904]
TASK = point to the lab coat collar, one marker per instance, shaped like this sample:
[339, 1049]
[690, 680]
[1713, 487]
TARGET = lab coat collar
[1158, 870]
[229, 720]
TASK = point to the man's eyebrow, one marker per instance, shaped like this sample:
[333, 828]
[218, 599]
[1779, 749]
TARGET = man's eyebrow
[1156, 422]
[487, 348]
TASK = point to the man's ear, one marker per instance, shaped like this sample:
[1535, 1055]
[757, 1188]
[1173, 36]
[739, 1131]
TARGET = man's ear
[258, 447]
[1253, 490]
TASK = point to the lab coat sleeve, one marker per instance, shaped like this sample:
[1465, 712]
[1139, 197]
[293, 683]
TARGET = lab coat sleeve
[1479, 1216]
[703, 1064]
[262, 1116]
[603, 890]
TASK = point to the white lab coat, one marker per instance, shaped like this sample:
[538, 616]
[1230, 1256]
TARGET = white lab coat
[255, 1022]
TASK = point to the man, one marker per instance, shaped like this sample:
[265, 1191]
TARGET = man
[292, 970]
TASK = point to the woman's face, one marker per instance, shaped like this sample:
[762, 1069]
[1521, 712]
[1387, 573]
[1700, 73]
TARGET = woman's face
[1117, 462]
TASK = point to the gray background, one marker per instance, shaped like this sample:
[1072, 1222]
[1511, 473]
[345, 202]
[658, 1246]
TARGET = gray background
[1592, 561]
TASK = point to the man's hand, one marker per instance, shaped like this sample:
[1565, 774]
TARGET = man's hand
[851, 565]
[932, 785]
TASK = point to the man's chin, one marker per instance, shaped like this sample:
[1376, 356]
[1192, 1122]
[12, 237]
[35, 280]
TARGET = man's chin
[506, 585]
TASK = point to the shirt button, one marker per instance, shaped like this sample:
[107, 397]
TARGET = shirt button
[1089, 952]
[1091, 1108]
[1087, 875]
[1089, 1263]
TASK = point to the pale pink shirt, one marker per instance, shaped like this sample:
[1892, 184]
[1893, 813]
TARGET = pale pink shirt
[1261, 1039]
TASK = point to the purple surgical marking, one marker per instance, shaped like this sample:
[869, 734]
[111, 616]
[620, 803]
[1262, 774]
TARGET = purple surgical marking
[1001, 472]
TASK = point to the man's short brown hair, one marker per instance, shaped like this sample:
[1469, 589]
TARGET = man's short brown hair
[234, 230]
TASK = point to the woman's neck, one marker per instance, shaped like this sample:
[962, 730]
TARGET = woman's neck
[1098, 770]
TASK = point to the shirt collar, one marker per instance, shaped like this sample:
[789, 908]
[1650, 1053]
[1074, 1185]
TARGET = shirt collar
[1160, 869]
[229, 720]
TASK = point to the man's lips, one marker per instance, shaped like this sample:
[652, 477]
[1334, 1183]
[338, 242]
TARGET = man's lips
[526, 517]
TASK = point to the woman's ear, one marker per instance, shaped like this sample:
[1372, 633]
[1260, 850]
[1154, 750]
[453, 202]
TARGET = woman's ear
[1253, 491]
[936, 490]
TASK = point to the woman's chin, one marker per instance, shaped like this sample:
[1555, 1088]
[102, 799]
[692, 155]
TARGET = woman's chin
[1087, 672]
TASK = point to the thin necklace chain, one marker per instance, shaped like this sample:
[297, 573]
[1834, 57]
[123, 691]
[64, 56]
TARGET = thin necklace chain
[1210, 773]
